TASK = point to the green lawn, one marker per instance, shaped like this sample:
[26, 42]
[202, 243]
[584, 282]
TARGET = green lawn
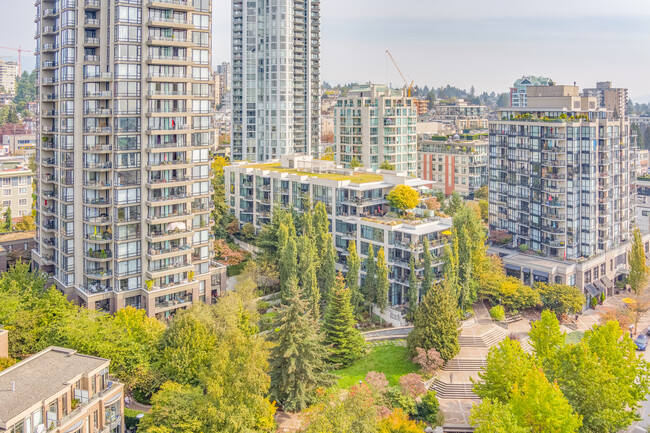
[390, 360]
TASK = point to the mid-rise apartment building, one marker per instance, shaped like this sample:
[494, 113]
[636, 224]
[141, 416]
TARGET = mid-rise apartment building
[518, 92]
[8, 73]
[562, 175]
[610, 98]
[60, 391]
[276, 78]
[16, 186]
[373, 124]
[123, 190]
[455, 164]
[356, 207]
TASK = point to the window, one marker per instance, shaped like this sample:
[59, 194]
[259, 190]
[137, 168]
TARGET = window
[6, 182]
[23, 201]
[6, 203]
[23, 191]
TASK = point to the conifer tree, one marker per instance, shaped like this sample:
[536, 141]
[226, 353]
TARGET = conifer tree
[370, 282]
[340, 334]
[352, 277]
[327, 269]
[307, 273]
[638, 267]
[288, 266]
[321, 226]
[298, 359]
[426, 262]
[414, 289]
[436, 324]
[382, 280]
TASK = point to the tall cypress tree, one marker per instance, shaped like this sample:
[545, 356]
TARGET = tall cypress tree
[307, 273]
[426, 262]
[352, 277]
[327, 269]
[370, 282]
[298, 359]
[340, 334]
[288, 266]
[321, 225]
[638, 267]
[382, 281]
[414, 289]
[436, 324]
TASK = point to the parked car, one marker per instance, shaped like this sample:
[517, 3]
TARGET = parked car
[641, 342]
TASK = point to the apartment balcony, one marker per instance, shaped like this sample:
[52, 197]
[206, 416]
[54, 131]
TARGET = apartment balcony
[100, 166]
[98, 273]
[102, 255]
[170, 182]
[99, 219]
[92, 4]
[169, 164]
[100, 237]
[170, 22]
[95, 288]
[163, 305]
[165, 147]
[98, 130]
[168, 199]
[91, 23]
[91, 42]
[553, 216]
[134, 217]
[168, 253]
[49, 178]
[168, 60]
[49, 211]
[175, 77]
[554, 243]
[102, 76]
[167, 94]
[168, 235]
[169, 41]
[174, 268]
[181, 5]
[98, 148]
[98, 202]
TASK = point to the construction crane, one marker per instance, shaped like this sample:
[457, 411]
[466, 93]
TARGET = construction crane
[20, 52]
[409, 86]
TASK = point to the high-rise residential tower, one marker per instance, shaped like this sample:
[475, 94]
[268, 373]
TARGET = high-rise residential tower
[8, 73]
[123, 188]
[373, 124]
[562, 175]
[276, 78]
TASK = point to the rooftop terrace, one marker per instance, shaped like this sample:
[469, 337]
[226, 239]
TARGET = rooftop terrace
[337, 175]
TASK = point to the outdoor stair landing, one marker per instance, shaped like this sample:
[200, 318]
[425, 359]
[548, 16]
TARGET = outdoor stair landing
[487, 339]
[454, 390]
[457, 364]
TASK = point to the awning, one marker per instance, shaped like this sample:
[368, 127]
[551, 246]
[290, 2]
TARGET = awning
[513, 267]
[600, 286]
[526, 271]
[607, 282]
[592, 290]
[540, 274]
[623, 271]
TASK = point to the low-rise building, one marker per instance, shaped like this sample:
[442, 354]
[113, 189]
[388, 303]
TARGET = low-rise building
[60, 391]
[455, 163]
[356, 206]
[8, 73]
[15, 246]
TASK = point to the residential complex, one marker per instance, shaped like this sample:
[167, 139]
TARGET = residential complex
[518, 93]
[60, 391]
[276, 79]
[610, 98]
[373, 124]
[422, 106]
[123, 190]
[15, 246]
[8, 73]
[460, 115]
[356, 206]
[562, 178]
[16, 186]
[454, 163]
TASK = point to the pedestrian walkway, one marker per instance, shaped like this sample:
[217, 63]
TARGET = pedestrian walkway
[386, 343]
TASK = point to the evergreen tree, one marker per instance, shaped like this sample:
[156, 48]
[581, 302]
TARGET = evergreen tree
[297, 362]
[327, 269]
[436, 324]
[307, 273]
[426, 262]
[638, 267]
[383, 284]
[414, 289]
[340, 334]
[352, 277]
[370, 282]
[321, 226]
[8, 222]
[288, 266]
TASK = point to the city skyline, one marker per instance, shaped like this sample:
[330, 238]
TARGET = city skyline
[459, 31]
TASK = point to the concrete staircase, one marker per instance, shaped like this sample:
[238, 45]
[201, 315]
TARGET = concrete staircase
[454, 390]
[457, 364]
[489, 339]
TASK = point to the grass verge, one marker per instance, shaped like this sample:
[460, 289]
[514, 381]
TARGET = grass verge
[391, 360]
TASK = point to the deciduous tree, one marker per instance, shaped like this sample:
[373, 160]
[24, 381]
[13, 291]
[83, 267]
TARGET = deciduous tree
[370, 282]
[403, 197]
[414, 289]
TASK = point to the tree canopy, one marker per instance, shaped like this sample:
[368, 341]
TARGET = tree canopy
[403, 197]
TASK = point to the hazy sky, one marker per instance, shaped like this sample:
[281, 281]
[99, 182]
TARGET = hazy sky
[485, 43]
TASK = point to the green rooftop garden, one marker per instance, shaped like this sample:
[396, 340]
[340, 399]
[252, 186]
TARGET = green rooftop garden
[354, 178]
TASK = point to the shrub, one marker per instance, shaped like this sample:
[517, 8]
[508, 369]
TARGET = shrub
[594, 302]
[248, 231]
[497, 313]
[429, 361]
[523, 248]
[428, 408]
[377, 381]
[399, 400]
[412, 385]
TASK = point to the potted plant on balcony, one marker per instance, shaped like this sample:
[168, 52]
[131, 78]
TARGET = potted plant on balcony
[190, 275]
[149, 284]
[74, 403]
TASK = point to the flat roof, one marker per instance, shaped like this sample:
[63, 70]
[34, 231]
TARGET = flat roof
[40, 377]
[354, 178]
[17, 236]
